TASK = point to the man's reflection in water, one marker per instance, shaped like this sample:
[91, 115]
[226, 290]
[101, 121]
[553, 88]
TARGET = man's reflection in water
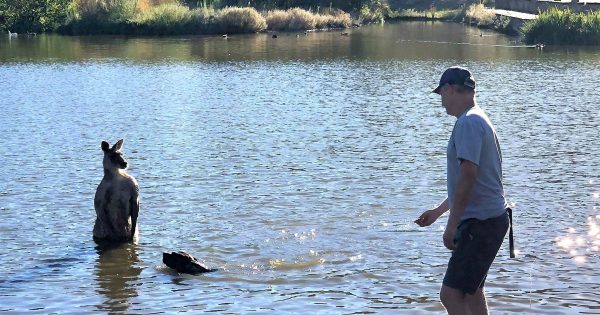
[117, 272]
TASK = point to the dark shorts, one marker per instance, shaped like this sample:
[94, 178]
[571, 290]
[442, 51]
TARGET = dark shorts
[477, 243]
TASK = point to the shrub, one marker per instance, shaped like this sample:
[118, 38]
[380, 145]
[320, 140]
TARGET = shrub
[336, 20]
[144, 5]
[171, 18]
[106, 11]
[241, 20]
[291, 20]
[277, 20]
[557, 26]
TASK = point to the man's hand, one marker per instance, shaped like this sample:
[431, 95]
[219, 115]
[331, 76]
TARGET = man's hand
[449, 235]
[427, 218]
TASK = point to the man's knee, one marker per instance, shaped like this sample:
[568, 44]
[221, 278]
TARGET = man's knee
[450, 296]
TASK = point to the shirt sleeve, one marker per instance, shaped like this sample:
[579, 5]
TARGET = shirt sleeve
[468, 139]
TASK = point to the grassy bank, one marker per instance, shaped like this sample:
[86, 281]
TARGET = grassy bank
[177, 19]
[475, 15]
[557, 26]
[170, 17]
[180, 17]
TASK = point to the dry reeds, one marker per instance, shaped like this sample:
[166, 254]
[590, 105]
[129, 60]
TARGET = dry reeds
[481, 15]
[241, 20]
[297, 19]
[170, 17]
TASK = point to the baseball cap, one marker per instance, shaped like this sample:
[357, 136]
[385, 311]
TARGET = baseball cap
[456, 76]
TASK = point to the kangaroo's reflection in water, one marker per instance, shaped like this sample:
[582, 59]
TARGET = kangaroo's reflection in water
[116, 274]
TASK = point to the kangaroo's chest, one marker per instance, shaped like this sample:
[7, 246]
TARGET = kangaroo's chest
[114, 194]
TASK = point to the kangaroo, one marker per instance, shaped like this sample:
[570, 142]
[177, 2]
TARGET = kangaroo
[117, 201]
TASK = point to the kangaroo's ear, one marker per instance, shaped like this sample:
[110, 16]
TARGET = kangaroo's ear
[118, 146]
[105, 146]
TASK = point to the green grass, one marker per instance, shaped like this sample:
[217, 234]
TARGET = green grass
[557, 26]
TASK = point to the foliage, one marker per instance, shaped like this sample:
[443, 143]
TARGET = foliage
[374, 11]
[557, 26]
[34, 16]
[106, 10]
[170, 18]
[145, 5]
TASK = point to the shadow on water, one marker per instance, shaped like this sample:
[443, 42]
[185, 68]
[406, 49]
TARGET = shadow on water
[116, 273]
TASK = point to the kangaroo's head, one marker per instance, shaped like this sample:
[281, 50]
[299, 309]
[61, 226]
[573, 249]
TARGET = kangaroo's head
[113, 158]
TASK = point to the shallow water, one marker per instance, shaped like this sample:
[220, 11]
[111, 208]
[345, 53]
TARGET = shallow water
[296, 165]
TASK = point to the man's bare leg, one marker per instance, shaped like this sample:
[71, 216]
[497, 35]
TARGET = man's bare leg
[476, 303]
[453, 300]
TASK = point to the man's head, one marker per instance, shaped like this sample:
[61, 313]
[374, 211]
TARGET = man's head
[457, 88]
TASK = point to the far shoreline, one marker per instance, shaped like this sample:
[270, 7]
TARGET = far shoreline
[554, 26]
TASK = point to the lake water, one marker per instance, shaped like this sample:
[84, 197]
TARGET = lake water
[295, 165]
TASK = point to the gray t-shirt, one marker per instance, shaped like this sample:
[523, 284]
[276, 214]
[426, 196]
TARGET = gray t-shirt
[474, 139]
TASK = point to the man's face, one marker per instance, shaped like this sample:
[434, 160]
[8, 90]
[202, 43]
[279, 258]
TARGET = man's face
[446, 93]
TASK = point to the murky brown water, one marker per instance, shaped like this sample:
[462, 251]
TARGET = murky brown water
[296, 165]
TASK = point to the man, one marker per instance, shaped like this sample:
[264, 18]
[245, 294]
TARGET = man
[478, 219]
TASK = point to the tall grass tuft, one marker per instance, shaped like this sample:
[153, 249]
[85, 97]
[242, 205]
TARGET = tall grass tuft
[165, 19]
[431, 14]
[591, 27]
[480, 15]
[338, 19]
[171, 17]
[241, 20]
[556, 26]
[144, 5]
[291, 20]
[297, 19]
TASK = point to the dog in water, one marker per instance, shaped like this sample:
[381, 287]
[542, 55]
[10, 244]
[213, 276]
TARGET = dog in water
[185, 263]
[117, 201]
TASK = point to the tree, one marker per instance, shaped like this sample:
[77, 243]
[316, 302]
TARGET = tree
[34, 15]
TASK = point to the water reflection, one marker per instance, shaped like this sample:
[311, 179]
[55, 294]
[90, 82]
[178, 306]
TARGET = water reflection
[407, 40]
[116, 273]
[581, 246]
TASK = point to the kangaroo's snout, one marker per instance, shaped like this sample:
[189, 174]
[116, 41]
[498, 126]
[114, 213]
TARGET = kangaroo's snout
[124, 164]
